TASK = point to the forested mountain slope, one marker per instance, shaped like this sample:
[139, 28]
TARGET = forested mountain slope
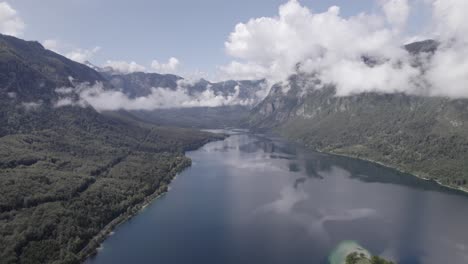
[67, 172]
[427, 136]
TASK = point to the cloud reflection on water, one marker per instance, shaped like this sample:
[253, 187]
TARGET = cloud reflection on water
[352, 199]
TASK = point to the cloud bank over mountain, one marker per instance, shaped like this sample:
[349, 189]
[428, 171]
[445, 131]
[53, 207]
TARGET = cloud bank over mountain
[360, 53]
[77, 54]
[84, 94]
[170, 67]
[333, 47]
[82, 55]
[125, 67]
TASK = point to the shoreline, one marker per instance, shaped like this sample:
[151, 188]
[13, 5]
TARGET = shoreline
[393, 167]
[93, 246]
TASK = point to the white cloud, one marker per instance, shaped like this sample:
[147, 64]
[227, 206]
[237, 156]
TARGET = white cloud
[273, 46]
[10, 22]
[396, 12]
[332, 47]
[243, 71]
[447, 71]
[76, 54]
[170, 67]
[124, 66]
[449, 18]
[51, 44]
[82, 55]
[159, 98]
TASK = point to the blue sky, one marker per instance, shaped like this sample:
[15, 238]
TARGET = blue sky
[142, 30]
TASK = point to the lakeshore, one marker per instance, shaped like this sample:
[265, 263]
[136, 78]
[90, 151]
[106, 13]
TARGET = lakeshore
[291, 204]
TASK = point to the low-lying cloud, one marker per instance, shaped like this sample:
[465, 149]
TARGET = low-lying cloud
[170, 67]
[82, 55]
[124, 67]
[103, 99]
[77, 54]
[331, 47]
[10, 22]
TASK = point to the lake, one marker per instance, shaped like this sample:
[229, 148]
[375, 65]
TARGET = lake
[255, 199]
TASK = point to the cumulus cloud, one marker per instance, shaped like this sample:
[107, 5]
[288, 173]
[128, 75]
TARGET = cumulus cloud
[51, 44]
[124, 66]
[274, 45]
[82, 55]
[361, 53]
[447, 70]
[76, 54]
[396, 11]
[449, 18]
[10, 22]
[84, 94]
[170, 67]
[243, 71]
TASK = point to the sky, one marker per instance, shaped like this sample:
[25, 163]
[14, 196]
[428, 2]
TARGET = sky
[252, 40]
[192, 33]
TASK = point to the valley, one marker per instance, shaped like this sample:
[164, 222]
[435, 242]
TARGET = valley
[424, 136]
[68, 172]
[182, 132]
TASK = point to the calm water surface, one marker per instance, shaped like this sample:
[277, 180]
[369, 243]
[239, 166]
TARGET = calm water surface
[253, 199]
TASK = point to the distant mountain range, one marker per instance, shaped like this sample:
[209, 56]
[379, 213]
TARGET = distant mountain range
[427, 136]
[140, 84]
[69, 174]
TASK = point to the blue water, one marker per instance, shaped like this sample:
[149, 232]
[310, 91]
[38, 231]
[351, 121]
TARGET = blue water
[253, 199]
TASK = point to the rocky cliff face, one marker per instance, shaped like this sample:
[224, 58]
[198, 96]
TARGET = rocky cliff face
[427, 136]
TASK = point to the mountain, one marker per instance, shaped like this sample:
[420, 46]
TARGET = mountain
[427, 46]
[69, 174]
[426, 136]
[196, 117]
[140, 84]
[26, 64]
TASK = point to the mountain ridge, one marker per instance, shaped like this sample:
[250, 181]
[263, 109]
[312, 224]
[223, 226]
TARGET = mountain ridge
[140, 85]
[425, 136]
[67, 172]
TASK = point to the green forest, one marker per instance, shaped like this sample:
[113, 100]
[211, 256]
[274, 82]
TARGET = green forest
[64, 179]
[69, 174]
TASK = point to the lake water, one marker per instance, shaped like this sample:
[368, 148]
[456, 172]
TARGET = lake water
[254, 199]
